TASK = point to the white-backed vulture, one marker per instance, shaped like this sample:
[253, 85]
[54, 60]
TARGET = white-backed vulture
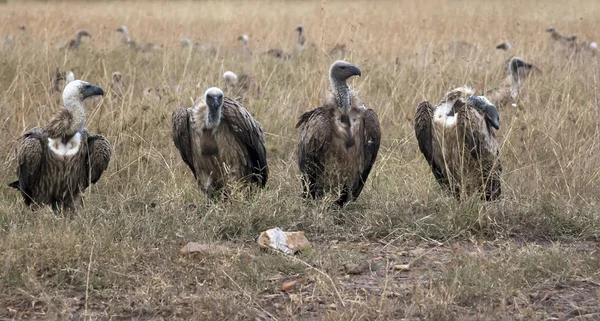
[239, 85]
[245, 50]
[339, 141]
[198, 47]
[555, 35]
[117, 87]
[301, 38]
[220, 142]
[506, 46]
[510, 89]
[458, 141]
[57, 162]
[75, 43]
[278, 53]
[125, 39]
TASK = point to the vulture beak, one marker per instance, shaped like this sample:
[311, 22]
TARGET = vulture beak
[217, 101]
[91, 90]
[355, 71]
[492, 117]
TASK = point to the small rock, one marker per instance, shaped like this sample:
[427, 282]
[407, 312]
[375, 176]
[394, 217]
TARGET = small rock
[179, 235]
[332, 306]
[354, 269]
[402, 267]
[287, 286]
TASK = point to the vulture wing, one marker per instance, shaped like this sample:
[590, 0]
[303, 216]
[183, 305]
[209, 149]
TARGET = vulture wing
[249, 134]
[99, 152]
[372, 139]
[29, 160]
[480, 142]
[315, 135]
[423, 131]
[181, 136]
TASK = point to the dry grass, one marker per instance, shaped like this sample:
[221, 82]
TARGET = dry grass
[533, 255]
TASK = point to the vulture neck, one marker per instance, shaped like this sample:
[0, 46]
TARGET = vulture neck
[342, 93]
[76, 108]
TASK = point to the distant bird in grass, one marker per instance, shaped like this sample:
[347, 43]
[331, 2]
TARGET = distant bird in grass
[221, 143]
[339, 141]
[244, 50]
[301, 38]
[198, 47]
[278, 53]
[125, 39]
[117, 87]
[458, 140]
[57, 162]
[510, 89]
[59, 79]
[506, 46]
[239, 85]
[74, 44]
[555, 35]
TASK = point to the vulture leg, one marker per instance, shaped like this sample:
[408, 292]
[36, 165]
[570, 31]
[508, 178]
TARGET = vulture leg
[311, 184]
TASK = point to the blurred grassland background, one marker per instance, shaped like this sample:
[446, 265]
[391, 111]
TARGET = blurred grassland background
[118, 257]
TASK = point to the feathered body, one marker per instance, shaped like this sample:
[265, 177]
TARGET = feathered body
[458, 141]
[338, 141]
[220, 144]
[59, 161]
[510, 89]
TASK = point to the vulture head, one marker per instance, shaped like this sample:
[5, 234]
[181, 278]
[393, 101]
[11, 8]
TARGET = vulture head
[551, 29]
[82, 33]
[185, 42]
[231, 79]
[244, 39]
[489, 110]
[300, 29]
[122, 29]
[213, 98]
[341, 70]
[504, 46]
[116, 76]
[519, 69]
[78, 90]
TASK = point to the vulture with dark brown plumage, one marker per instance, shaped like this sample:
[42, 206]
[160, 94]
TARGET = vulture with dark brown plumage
[220, 142]
[458, 140]
[338, 141]
[59, 161]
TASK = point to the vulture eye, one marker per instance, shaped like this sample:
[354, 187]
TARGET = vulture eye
[343, 67]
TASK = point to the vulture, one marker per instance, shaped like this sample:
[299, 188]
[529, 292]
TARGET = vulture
[239, 85]
[244, 50]
[506, 46]
[57, 162]
[555, 35]
[339, 141]
[301, 38]
[117, 88]
[198, 47]
[509, 90]
[75, 43]
[278, 53]
[458, 140]
[220, 142]
[125, 37]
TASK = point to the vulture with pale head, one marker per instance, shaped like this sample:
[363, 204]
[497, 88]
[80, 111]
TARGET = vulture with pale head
[57, 162]
[458, 140]
[221, 143]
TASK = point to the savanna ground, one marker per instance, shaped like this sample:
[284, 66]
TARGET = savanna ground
[534, 255]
